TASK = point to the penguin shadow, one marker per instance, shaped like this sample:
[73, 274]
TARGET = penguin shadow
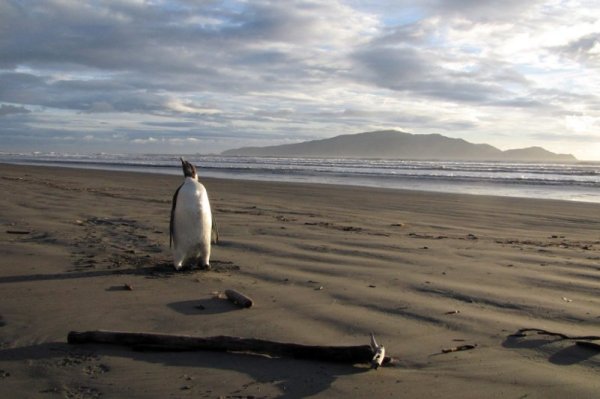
[203, 307]
[165, 269]
[561, 352]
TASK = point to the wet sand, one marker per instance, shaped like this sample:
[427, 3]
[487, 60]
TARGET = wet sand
[325, 265]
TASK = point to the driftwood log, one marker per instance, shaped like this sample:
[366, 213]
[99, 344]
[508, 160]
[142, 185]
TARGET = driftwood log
[169, 342]
[239, 299]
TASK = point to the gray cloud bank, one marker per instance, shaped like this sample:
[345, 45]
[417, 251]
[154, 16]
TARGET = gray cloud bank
[207, 75]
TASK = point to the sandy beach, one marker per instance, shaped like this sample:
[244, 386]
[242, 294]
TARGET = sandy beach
[326, 265]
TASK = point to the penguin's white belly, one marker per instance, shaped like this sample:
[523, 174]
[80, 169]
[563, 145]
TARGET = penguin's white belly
[193, 225]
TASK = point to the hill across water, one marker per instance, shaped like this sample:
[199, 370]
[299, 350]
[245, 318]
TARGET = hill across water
[392, 144]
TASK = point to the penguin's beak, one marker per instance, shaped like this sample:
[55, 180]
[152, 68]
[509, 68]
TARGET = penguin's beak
[188, 169]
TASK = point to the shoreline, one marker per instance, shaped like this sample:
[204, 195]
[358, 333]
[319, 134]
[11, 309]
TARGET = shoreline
[489, 189]
[325, 265]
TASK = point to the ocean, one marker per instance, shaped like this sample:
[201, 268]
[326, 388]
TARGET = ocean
[571, 182]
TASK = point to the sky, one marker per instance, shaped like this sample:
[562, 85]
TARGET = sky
[185, 76]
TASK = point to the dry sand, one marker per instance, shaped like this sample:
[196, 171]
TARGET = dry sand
[324, 265]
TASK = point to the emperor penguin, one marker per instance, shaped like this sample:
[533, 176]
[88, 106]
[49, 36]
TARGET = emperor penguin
[191, 221]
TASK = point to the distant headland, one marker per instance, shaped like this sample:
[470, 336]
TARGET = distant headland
[392, 144]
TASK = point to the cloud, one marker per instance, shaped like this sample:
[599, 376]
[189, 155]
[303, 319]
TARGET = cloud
[95, 95]
[145, 141]
[6, 109]
[581, 123]
[188, 107]
[585, 49]
[481, 11]
[100, 107]
[418, 72]
[237, 72]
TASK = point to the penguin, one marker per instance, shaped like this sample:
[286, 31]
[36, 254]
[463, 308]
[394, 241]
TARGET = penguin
[190, 228]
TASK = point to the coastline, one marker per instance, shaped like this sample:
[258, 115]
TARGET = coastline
[572, 182]
[325, 264]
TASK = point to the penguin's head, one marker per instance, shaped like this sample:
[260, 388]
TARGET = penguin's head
[189, 170]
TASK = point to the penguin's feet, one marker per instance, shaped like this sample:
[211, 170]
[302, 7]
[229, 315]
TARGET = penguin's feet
[202, 264]
[205, 266]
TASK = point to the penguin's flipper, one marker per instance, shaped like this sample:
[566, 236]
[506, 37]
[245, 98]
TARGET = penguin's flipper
[214, 234]
[172, 221]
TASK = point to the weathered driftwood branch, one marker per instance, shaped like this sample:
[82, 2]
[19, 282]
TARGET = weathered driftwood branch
[239, 299]
[379, 353]
[459, 348]
[586, 341]
[169, 342]
[523, 333]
